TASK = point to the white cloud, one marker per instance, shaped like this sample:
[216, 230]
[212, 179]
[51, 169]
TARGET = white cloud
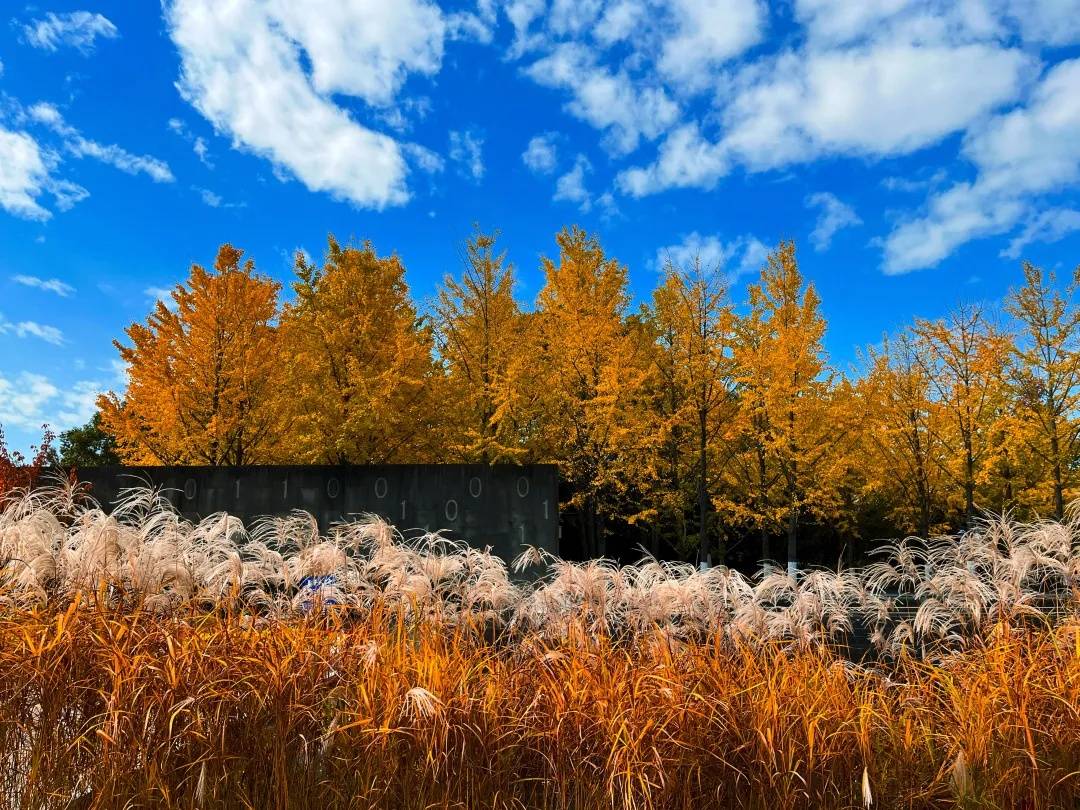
[838, 22]
[198, 143]
[878, 100]
[608, 100]
[1054, 22]
[1021, 155]
[620, 20]
[162, 294]
[53, 285]
[570, 187]
[833, 216]
[210, 198]
[23, 329]
[910, 185]
[871, 101]
[215, 200]
[740, 256]
[466, 149]
[266, 72]
[76, 29]
[678, 43]
[708, 33]
[573, 16]
[522, 14]
[952, 218]
[685, 160]
[541, 154]
[67, 194]
[867, 80]
[23, 400]
[78, 403]
[110, 154]
[24, 175]
[1046, 226]
[29, 400]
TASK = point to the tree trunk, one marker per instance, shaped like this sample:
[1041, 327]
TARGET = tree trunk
[1006, 473]
[1059, 487]
[792, 538]
[702, 494]
[969, 484]
[763, 499]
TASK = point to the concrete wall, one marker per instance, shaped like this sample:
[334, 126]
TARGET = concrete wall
[502, 506]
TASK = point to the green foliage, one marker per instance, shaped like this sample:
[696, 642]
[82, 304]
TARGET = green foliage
[88, 445]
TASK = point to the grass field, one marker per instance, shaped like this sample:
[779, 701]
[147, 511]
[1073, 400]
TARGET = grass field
[147, 662]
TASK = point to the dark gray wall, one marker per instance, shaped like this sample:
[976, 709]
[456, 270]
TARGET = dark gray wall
[502, 506]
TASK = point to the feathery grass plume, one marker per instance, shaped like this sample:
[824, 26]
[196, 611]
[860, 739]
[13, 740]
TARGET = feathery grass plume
[56, 542]
[149, 660]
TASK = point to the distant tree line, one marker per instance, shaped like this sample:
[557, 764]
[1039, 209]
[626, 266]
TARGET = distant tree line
[688, 425]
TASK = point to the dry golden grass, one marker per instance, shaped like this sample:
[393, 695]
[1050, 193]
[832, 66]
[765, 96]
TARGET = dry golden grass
[148, 662]
[135, 709]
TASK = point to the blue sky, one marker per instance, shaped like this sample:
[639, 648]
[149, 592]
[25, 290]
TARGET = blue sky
[915, 150]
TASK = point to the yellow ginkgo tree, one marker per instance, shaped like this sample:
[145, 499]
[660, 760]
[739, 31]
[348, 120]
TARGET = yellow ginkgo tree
[203, 373]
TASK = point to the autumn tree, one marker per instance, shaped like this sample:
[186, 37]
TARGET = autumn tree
[204, 374]
[792, 421]
[592, 378]
[481, 339]
[1044, 375]
[694, 328]
[962, 358]
[904, 456]
[361, 372]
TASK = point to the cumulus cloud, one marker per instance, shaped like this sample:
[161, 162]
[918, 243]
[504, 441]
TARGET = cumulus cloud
[875, 101]
[1020, 155]
[111, 154]
[77, 29]
[833, 216]
[53, 285]
[685, 160]
[736, 257]
[266, 73]
[609, 100]
[706, 34]
[570, 187]
[541, 154]
[466, 149]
